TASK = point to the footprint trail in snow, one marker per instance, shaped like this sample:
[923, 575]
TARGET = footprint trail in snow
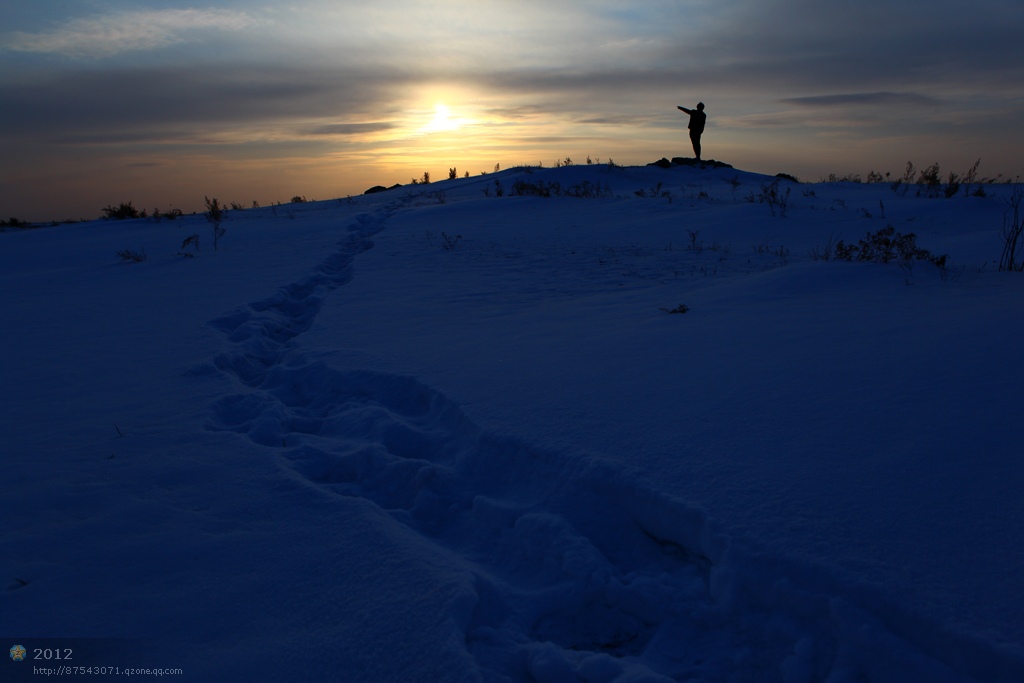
[580, 571]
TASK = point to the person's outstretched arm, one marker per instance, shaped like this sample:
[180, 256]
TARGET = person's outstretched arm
[684, 109]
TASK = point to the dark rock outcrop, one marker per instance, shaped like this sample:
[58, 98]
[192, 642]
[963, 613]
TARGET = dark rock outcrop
[380, 188]
[702, 163]
[686, 161]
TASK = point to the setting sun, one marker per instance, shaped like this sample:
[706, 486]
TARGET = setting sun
[442, 120]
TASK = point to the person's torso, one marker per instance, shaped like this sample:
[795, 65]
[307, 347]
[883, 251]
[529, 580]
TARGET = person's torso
[697, 119]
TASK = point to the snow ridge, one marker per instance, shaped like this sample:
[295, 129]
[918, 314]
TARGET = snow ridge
[578, 569]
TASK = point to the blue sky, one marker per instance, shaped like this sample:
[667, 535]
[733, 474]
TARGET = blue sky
[163, 102]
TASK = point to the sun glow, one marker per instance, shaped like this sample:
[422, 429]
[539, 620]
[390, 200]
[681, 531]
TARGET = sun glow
[442, 120]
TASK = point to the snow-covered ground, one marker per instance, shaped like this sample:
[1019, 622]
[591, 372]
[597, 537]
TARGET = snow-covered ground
[438, 434]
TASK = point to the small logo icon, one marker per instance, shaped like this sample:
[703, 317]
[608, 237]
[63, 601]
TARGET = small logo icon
[18, 653]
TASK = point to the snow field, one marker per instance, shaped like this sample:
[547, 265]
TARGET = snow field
[481, 440]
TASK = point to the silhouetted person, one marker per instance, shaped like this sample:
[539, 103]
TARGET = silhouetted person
[697, 120]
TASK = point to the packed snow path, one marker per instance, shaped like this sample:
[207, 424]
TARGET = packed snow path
[575, 570]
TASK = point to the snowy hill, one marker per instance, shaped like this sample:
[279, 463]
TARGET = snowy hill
[453, 432]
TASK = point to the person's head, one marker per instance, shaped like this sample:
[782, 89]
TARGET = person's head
[700, 106]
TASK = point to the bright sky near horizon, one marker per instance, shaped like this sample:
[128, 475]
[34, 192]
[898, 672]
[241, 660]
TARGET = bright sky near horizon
[161, 102]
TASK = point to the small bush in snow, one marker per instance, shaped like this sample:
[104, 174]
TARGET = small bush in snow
[499, 190]
[170, 214]
[522, 188]
[589, 190]
[129, 256]
[121, 212]
[215, 213]
[848, 178]
[1013, 233]
[654, 193]
[929, 181]
[766, 247]
[886, 245]
[190, 241]
[695, 245]
[778, 202]
[449, 242]
[583, 190]
[970, 178]
[825, 253]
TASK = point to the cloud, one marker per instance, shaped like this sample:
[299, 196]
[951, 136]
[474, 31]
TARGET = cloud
[318, 68]
[610, 120]
[128, 31]
[842, 113]
[193, 103]
[349, 129]
[862, 99]
[797, 47]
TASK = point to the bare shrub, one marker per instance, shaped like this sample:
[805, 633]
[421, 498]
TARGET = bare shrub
[129, 256]
[215, 213]
[449, 242]
[121, 212]
[190, 241]
[778, 202]
[884, 246]
[1013, 233]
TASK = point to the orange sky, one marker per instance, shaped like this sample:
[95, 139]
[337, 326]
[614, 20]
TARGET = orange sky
[161, 103]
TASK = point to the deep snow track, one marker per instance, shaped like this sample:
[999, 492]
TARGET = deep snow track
[262, 330]
[580, 570]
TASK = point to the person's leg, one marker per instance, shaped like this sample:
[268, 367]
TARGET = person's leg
[695, 139]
